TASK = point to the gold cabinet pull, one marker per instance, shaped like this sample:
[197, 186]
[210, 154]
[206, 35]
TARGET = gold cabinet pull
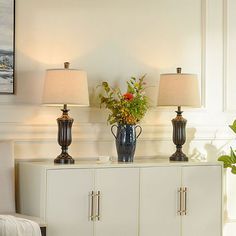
[185, 201]
[180, 200]
[98, 205]
[91, 205]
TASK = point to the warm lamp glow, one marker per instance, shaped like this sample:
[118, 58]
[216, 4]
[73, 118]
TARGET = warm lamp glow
[65, 86]
[178, 90]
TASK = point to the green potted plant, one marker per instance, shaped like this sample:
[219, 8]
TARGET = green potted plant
[230, 160]
[126, 110]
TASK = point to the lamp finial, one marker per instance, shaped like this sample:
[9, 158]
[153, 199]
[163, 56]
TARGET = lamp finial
[178, 70]
[66, 65]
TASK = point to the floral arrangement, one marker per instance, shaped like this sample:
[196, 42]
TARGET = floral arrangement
[128, 108]
[230, 160]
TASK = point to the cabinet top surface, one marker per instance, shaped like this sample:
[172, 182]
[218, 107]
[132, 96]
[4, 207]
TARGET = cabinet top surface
[141, 162]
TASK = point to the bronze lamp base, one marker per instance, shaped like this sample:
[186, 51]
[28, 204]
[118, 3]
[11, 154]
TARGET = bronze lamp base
[64, 158]
[178, 156]
[64, 137]
[179, 136]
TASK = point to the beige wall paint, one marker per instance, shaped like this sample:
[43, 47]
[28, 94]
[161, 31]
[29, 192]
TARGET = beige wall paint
[113, 40]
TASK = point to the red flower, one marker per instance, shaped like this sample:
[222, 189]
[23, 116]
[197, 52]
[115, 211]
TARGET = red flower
[128, 96]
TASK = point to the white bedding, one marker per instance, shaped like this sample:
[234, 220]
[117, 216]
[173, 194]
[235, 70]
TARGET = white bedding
[14, 226]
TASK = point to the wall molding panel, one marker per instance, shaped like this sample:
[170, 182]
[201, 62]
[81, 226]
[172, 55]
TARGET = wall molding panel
[229, 58]
[203, 51]
[34, 132]
[87, 132]
[225, 54]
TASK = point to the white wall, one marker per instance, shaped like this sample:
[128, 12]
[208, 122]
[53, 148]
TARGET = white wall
[113, 40]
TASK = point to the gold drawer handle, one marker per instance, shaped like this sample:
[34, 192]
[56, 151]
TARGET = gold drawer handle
[185, 201]
[91, 206]
[98, 205]
[182, 201]
[179, 211]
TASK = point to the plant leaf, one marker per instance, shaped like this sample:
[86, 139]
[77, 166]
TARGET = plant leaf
[232, 155]
[122, 110]
[233, 169]
[233, 126]
[227, 160]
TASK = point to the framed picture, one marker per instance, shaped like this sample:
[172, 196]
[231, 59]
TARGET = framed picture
[7, 46]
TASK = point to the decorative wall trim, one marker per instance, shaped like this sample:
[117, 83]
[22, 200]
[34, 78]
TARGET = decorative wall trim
[225, 54]
[100, 132]
[203, 18]
[203, 51]
[226, 50]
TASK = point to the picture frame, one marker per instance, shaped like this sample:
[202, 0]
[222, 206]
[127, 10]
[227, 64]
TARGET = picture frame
[7, 47]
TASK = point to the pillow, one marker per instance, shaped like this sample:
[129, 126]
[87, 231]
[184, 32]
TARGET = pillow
[7, 179]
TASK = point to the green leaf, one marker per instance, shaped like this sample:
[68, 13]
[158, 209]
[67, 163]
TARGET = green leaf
[226, 159]
[233, 126]
[232, 155]
[230, 160]
[233, 170]
[130, 88]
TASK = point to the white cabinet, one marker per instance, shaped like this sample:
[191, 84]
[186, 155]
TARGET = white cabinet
[135, 199]
[158, 201]
[194, 190]
[67, 204]
[204, 201]
[119, 188]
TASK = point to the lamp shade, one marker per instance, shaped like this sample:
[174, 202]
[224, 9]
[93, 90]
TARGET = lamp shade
[178, 90]
[65, 86]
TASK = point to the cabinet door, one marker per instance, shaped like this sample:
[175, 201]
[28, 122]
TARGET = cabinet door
[203, 201]
[67, 207]
[119, 189]
[159, 201]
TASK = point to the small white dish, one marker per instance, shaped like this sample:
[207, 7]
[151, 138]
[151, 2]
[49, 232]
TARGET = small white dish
[103, 159]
